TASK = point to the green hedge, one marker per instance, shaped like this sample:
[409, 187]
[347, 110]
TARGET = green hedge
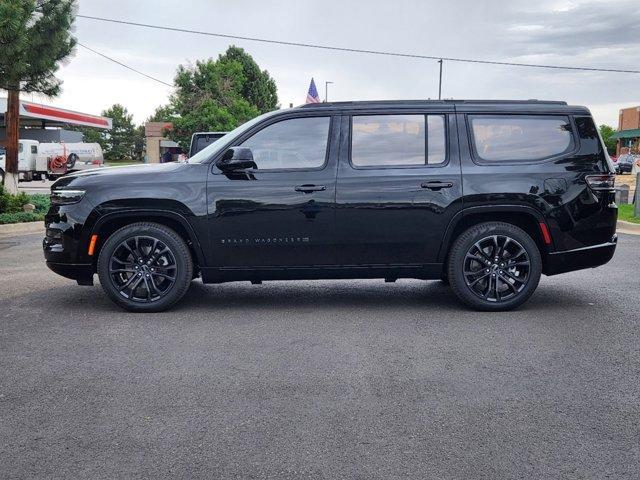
[20, 217]
[11, 207]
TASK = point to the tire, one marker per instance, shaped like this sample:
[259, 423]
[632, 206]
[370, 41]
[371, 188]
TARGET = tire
[1, 176]
[485, 284]
[145, 267]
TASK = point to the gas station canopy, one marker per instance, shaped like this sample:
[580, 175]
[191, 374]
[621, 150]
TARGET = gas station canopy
[36, 114]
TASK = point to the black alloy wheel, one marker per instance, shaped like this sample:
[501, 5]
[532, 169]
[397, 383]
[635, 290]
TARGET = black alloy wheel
[145, 267]
[494, 266]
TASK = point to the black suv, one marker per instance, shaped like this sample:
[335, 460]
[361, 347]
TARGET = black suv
[485, 195]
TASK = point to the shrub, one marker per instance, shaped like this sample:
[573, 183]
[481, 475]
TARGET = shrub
[11, 207]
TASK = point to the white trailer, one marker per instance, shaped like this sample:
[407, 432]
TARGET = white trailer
[34, 159]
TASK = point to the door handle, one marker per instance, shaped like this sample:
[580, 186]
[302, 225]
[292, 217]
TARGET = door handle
[436, 185]
[310, 188]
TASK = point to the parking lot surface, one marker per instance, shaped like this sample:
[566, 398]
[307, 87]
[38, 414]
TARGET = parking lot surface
[323, 379]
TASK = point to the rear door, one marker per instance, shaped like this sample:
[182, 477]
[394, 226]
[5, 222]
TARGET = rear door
[399, 185]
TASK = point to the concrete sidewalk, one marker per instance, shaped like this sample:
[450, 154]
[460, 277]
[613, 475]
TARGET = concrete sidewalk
[22, 228]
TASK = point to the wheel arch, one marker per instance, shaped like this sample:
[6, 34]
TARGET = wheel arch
[526, 218]
[107, 224]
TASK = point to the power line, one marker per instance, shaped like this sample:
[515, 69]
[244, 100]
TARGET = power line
[125, 66]
[356, 50]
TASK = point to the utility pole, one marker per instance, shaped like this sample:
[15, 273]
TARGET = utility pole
[440, 82]
[13, 127]
[326, 91]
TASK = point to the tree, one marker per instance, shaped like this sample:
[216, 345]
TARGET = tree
[92, 135]
[217, 95]
[124, 140]
[34, 37]
[120, 141]
[606, 132]
[139, 144]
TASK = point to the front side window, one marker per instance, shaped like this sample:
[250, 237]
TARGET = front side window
[293, 143]
[520, 137]
[20, 147]
[397, 140]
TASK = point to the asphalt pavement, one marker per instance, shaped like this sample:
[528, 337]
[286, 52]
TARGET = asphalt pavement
[319, 379]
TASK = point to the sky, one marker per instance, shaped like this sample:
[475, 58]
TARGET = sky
[592, 33]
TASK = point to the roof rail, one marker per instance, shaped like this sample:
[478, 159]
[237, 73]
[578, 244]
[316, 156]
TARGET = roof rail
[414, 102]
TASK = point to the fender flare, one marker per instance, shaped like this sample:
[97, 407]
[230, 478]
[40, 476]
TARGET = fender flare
[148, 214]
[458, 217]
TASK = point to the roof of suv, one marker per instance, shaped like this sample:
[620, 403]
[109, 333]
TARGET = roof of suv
[458, 105]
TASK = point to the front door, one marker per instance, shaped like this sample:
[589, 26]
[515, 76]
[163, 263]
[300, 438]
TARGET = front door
[280, 214]
[399, 185]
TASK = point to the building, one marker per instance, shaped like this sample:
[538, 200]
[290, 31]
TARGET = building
[157, 144]
[628, 134]
[50, 124]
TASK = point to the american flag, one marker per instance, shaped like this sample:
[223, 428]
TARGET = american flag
[312, 94]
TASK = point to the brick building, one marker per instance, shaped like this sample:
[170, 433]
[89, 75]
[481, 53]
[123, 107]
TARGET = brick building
[157, 144]
[628, 134]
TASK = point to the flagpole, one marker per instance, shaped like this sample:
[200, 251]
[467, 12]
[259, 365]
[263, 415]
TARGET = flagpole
[326, 91]
[440, 82]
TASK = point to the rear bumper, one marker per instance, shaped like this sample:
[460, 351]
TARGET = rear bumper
[587, 257]
[80, 272]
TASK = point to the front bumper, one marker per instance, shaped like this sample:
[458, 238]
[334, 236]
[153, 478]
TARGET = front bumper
[586, 257]
[80, 272]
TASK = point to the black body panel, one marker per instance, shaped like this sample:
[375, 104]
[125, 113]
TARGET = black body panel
[342, 221]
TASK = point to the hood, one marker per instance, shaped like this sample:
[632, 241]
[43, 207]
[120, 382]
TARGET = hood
[124, 174]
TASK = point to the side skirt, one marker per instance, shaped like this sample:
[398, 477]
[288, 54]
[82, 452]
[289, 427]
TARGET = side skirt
[429, 271]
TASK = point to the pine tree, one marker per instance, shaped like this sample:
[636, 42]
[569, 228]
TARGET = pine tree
[34, 38]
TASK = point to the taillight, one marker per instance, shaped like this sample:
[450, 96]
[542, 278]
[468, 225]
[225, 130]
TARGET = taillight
[601, 182]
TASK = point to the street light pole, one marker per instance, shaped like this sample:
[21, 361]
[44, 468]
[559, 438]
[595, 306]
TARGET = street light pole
[440, 82]
[326, 91]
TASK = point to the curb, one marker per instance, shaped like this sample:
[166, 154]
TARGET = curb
[25, 227]
[628, 227]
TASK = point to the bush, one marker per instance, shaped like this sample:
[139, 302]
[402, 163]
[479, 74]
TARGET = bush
[11, 207]
[20, 217]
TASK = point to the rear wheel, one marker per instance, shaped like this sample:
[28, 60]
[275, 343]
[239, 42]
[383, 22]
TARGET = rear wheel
[494, 266]
[145, 267]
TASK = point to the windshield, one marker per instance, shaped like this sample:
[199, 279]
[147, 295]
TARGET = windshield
[213, 148]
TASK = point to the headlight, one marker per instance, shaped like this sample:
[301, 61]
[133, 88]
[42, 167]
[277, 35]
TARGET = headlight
[65, 197]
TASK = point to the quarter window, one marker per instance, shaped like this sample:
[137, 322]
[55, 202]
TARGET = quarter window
[34, 149]
[293, 143]
[397, 140]
[521, 138]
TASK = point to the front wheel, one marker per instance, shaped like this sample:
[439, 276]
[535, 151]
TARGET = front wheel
[494, 266]
[145, 267]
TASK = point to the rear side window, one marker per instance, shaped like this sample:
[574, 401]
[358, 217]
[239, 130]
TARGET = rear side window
[520, 137]
[293, 143]
[397, 140]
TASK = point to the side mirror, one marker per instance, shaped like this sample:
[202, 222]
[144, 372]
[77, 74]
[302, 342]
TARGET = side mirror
[236, 159]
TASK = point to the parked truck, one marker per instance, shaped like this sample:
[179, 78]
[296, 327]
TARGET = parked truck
[37, 161]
